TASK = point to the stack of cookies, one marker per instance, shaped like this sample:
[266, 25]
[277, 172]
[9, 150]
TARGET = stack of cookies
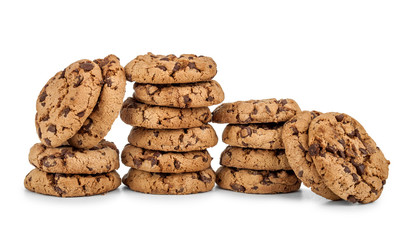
[255, 160]
[75, 111]
[169, 114]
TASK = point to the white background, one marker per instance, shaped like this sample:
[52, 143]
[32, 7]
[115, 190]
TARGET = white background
[345, 56]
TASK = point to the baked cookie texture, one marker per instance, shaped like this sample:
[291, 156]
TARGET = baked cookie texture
[165, 162]
[256, 111]
[98, 124]
[252, 181]
[160, 69]
[188, 95]
[71, 185]
[295, 139]
[346, 157]
[66, 101]
[148, 116]
[177, 184]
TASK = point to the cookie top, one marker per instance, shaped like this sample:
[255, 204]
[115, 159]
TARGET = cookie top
[347, 158]
[98, 124]
[256, 159]
[66, 101]
[295, 139]
[160, 69]
[165, 162]
[264, 136]
[148, 116]
[67, 185]
[170, 183]
[174, 140]
[252, 181]
[256, 111]
[68, 160]
[188, 95]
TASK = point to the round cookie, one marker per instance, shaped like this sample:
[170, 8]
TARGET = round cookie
[295, 139]
[66, 101]
[188, 95]
[68, 160]
[174, 140]
[252, 181]
[165, 162]
[142, 115]
[347, 158]
[65, 185]
[166, 183]
[255, 159]
[256, 111]
[160, 69]
[98, 124]
[264, 136]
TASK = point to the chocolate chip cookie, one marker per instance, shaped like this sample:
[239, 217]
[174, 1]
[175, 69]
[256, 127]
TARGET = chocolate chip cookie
[188, 95]
[98, 124]
[66, 101]
[252, 181]
[256, 111]
[65, 185]
[175, 140]
[264, 136]
[68, 160]
[295, 138]
[148, 116]
[256, 159]
[347, 158]
[166, 183]
[165, 162]
[160, 69]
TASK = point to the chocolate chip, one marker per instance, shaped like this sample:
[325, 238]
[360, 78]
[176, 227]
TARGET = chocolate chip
[137, 162]
[176, 67]
[47, 141]
[331, 149]
[190, 58]
[108, 166]
[87, 66]
[62, 74]
[42, 96]
[108, 82]
[246, 132]
[347, 170]
[300, 173]
[210, 66]
[186, 99]
[210, 98]
[65, 111]
[268, 109]
[254, 188]
[52, 128]
[176, 163]
[81, 114]
[341, 153]
[164, 59]
[295, 131]
[352, 199]
[58, 190]
[283, 102]
[339, 118]
[363, 151]
[192, 65]
[204, 178]
[180, 190]
[342, 142]
[313, 150]
[355, 177]
[237, 187]
[44, 118]
[79, 80]
[162, 68]
[360, 168]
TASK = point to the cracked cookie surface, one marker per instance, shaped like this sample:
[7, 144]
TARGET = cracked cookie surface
[66, 185]
[252, 181]
[347, 158]
[165, 162]
[256, 159]
[174, 140]
[148, 116]
[264, 136]
[295, 139]
[66, 101]
[161, 69]
[99, 122]
[170, 183]
[68, 160]
[256, 111]
[188, 95]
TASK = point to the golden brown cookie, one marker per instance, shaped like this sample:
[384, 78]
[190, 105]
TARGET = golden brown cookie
[148, 116]
[160, 69]
[170, 183]
[98, 124]
[165, 162]
[347, 158]
[66, 101]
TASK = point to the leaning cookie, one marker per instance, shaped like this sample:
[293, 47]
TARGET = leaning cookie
[295, 139]
[160, 69]
[98, 124]
[347, 158]
[165, 162]
[66, 185]
[66, 101]
[252, 181]
[165, 183]
[188, 95]
[148, 116]
[256, 111]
